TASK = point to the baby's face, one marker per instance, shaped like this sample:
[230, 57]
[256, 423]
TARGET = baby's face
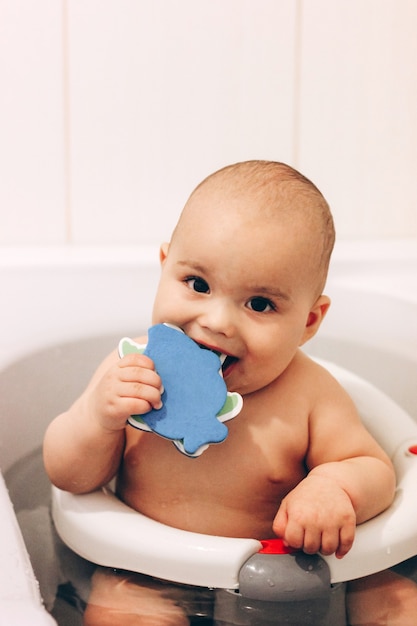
[239, 285]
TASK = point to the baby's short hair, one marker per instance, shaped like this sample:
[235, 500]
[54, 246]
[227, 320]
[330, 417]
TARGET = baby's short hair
[285, 189]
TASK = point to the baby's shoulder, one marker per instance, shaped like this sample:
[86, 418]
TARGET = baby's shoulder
[313, 376]
[308, 368]
[323, 391]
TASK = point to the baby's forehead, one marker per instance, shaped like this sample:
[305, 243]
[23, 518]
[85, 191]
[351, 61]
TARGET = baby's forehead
[236, 214]
[268, 200]
[230, 199]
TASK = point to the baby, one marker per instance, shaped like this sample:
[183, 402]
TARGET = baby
[243, 275]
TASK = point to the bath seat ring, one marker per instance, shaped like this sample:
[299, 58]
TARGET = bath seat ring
[195, 399]
[86, 524]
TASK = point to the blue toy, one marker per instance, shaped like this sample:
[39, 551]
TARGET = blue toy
[195, 397]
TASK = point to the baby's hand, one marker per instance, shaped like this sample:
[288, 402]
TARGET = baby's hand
[129, 387]
[317, 516]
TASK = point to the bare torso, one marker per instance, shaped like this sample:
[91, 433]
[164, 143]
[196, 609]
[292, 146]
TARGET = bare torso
[233, 488]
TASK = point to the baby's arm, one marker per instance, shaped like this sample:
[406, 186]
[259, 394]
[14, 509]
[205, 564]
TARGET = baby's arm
[351, 479]
[83, 447]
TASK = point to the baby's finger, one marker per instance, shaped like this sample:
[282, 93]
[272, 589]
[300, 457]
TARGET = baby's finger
[294, 535]
[312, 540]
[142, 375]
[142, 397]
[329, 541]
[280, 522]
[137, 360]
[347, 536]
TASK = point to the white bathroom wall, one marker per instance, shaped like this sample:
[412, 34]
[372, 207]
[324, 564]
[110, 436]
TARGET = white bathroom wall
[358, 112]
[112, 110]
[32, 164]
[161, 94]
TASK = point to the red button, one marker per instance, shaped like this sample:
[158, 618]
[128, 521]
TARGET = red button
[413, 449]
[275, 546]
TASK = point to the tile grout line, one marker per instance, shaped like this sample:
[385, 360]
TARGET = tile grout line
[297, 83]
[66, 124]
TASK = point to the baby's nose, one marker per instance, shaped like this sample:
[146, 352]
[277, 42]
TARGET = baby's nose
[219, 317]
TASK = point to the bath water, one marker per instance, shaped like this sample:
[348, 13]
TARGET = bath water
[30, 491]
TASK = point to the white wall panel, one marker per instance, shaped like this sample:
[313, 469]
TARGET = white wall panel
[163, 93]
[358, 122]
[32, 199]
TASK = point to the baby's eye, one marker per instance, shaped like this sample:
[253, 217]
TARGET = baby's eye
[261, 305]
[198, 284]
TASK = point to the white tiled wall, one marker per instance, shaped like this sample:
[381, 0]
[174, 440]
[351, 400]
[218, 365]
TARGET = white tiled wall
[358, 121]
[112, 110]
[162, 93]
[32, 164]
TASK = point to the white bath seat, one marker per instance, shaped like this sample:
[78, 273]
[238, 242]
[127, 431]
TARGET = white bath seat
[100, 528]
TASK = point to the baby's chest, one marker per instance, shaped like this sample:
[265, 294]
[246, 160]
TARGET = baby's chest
[264, 443]
[276, 429]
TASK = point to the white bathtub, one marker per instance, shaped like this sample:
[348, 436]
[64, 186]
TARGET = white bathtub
[53, 297]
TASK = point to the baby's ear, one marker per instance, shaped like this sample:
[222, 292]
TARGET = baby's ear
[315, 318]
[163, 252]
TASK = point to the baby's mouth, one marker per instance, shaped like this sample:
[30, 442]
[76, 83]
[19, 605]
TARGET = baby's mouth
[226, 360]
